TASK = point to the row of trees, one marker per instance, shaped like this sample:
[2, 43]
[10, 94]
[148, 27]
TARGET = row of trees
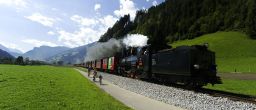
[21, 61]
[25, 61]
[186, 19]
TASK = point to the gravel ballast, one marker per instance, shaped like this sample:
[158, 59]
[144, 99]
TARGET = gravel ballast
[176, 96]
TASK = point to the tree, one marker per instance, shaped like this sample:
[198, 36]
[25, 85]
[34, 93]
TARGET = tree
[60, 62]
[19, 61]
[26, 61]
[6, 60]
[187, 19]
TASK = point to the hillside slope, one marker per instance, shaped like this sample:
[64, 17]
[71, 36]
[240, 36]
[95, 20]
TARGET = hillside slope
[13, 52]
[235, 51]
[71, 56]
[174, 20]
[44, 52]
[4, 54]
[5, 57]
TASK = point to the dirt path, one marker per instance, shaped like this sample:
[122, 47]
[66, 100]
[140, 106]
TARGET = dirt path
[131, 99]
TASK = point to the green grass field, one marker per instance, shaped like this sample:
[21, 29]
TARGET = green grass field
[51, 88]
[234, 51]
[246, 87]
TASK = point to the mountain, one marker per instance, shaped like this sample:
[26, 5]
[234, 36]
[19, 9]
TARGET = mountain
[43, 52]
[72, 56]
[4, 54]
[13, 52]
[175, 20]
[3, 48]
[5, 57]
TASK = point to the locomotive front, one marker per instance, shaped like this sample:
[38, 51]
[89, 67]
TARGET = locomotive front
[204, 65]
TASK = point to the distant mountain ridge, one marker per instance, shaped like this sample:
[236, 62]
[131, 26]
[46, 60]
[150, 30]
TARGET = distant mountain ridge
[72, 56]
[13, 52]
[53, 54]
[44, 52]
[4, 54]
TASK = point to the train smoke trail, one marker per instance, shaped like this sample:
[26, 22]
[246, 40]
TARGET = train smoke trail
[110, 48]
[101, 50]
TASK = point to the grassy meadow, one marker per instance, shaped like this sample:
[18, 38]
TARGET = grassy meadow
[235, 51]
[51, 88]
[246, 87]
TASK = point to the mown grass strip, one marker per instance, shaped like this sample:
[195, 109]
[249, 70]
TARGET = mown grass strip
[47, 87]
[246, 87]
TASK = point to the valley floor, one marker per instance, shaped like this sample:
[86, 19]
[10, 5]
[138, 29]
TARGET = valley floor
[240, 83]
[51, 88]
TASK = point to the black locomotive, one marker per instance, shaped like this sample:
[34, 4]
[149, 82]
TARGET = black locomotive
[188, 65]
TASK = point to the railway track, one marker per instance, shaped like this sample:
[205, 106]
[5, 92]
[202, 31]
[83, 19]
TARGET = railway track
[231, 96]
[214, 93]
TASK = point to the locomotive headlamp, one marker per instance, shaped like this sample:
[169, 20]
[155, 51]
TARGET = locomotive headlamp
[196, 66]
[206, 45]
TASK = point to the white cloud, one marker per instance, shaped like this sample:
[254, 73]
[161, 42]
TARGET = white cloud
[14, 3]
[90, 30]
[83, 21]
[51, 33]
[44, 20]
[108, 21]
[54, 9]
[39, 43]
[147, 0]
[12, 46]
[97, 7]
[81, 37]
[126, 7]
[154, 3]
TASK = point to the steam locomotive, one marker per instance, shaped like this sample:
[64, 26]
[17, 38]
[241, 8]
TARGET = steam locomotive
[188, 65]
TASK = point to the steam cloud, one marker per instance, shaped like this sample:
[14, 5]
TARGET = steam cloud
[101, 50]
[110, 48]
[135, 40]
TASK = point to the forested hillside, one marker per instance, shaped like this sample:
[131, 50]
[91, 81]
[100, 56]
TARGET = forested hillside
[186, 19]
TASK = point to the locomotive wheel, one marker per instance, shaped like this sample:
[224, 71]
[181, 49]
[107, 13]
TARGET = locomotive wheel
[136, 76]
[133, 75]
[194, 85]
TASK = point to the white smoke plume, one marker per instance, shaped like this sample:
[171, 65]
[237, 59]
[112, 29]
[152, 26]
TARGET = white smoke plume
[135, 40]
[101, 50]
[78, 61]
[110, 48]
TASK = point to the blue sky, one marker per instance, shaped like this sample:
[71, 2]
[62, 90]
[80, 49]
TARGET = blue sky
[26, 24]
